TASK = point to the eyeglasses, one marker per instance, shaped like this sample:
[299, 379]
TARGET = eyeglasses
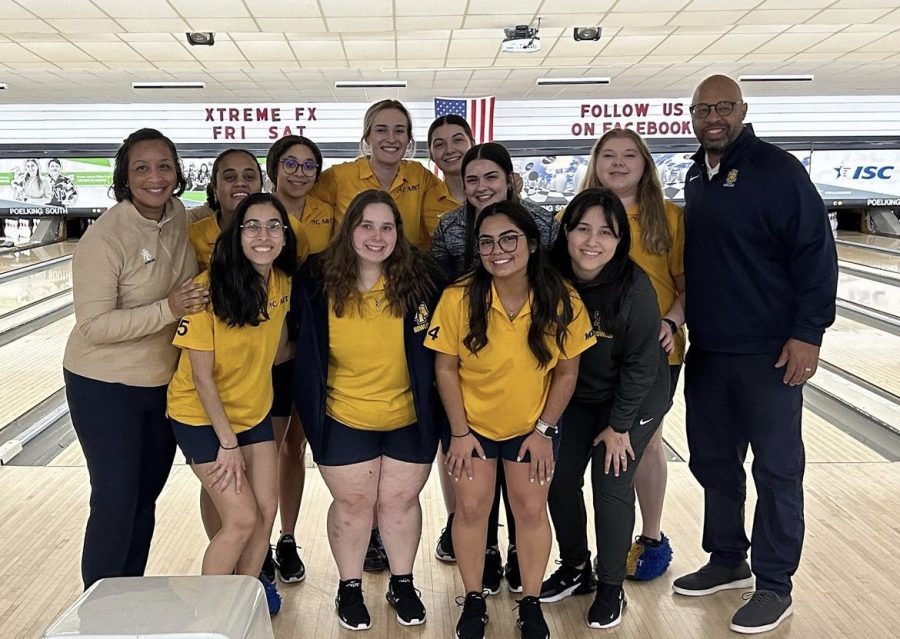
[307, 167]
[253, 229]
[508, 244]
[722, 107]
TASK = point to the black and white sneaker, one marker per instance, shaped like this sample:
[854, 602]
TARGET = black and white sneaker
[351, 607]
[406, 600]
[531, 619]
[493, 571]
[609, 604]
[713, 578]
[290, 566]
[376, 558]
[268, 567]
[764, 611]
[473, 618]
[568, 580]
[444, 549]
[511, 572]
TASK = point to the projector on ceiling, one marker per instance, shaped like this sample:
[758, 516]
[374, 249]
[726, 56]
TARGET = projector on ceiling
[521, 39]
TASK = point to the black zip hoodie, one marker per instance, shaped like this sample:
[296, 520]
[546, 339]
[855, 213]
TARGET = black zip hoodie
[759, 257]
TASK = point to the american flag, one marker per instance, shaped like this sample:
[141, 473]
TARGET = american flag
[478, 112]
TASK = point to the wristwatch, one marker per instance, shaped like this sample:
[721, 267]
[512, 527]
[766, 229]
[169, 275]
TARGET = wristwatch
[672, 325]
[546, 429]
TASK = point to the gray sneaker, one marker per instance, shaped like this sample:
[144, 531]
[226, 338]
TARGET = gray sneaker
[713, 578]
[764, 611]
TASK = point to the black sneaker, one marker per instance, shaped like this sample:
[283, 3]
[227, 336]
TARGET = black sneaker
[406, 600]
[268, 567]
[511, 572]
[713, 578]
[493, 571]
[568, 580]
[473, 618]
[376, 558]
[290, 566]
[531, 620]
[351, 607]
[609, 604]
[444, 549]
[764, 611]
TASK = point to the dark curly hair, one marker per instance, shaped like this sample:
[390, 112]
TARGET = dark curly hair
[238, 294]
[277, 151]
[410, 274]
[120, 168]
[211, 200]
[551, 307]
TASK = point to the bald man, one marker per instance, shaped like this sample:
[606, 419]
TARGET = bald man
[761, 271]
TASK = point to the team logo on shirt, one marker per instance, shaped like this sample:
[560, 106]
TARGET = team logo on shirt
[420, 321]
[597, 331]
[408, 188]
[147, 256]
[731, 178]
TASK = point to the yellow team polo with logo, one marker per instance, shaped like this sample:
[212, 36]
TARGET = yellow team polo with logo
[368, 384]
[203, 236]
[503, 389]
[317, 220]
[412, 190]
[662, 268]
[243, 360]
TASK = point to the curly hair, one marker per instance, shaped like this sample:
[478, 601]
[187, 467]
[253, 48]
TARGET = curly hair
[410, 274]
[238, 294]
[120, 168]
[551, 307]
[655, 235]
[211, 200]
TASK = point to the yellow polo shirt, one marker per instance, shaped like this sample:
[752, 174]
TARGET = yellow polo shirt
[415, 189]
[203, 236]
[198, 213]
[317, 220]
[662, 268]
[503, 389]
[243, 360]
[368, 384]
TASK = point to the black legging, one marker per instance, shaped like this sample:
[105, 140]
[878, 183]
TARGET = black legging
[613, 496]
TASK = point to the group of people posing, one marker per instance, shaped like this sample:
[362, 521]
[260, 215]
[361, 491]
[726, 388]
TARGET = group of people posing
[385, 316]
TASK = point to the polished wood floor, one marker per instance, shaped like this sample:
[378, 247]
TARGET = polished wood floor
[848, 584]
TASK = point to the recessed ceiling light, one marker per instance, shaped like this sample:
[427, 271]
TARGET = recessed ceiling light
[168, 85]
[201, 38]
[558, 81]
[370, 84]
[807, 77]
[587, 33]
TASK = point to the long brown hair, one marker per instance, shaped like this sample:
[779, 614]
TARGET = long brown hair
[655, 235]
[409, 273]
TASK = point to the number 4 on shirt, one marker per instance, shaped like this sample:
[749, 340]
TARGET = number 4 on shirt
[433, 333]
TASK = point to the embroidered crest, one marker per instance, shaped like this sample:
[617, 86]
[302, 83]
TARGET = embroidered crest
[731, 178]
[421, 318]
[147, 256]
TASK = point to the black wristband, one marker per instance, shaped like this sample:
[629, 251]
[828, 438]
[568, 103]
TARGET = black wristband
[229, 448]
[671, 324]
[463, 435]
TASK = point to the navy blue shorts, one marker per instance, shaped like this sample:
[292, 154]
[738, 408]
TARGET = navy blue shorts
[283, 389]
[346, 445]
[200, 444]
[506, 449]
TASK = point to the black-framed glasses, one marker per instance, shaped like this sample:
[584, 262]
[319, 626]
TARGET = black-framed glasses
[292, 165]
[722, 107]
[508, 243]
[253, 229]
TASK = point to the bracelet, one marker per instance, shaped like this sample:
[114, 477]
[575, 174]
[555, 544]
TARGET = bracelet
[671, 324]
[463, 435]
[229, 448]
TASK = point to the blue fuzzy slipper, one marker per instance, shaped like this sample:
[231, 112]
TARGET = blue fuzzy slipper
[648, 558]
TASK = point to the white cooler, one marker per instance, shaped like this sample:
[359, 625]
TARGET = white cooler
[202, 607]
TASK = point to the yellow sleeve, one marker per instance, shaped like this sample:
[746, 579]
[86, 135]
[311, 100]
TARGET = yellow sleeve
[196, 332]
[325, 188]
[676, 251]
[302, 239]
[443, 331]
[580, 332]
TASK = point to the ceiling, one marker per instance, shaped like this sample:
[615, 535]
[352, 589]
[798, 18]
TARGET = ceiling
[61, 51]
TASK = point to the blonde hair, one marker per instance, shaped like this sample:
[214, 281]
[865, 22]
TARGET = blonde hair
[655, 235]
[369, 122]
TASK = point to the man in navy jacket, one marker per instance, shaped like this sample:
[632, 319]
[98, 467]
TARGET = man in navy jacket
[761, 271]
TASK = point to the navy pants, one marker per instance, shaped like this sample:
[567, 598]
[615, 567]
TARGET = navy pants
[129, 446]
[734, 401]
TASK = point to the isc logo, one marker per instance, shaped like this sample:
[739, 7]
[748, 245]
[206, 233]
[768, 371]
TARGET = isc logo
[864, 172]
